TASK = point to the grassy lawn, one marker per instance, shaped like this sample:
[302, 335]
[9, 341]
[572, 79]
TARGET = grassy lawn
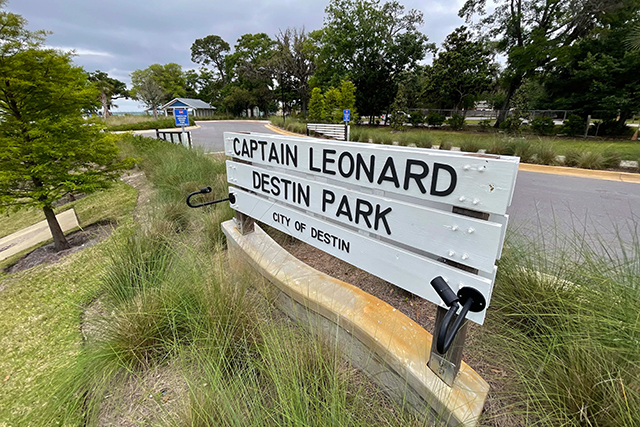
[110, 205]
[41, 308]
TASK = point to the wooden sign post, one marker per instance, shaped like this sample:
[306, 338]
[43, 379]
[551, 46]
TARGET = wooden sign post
[406, 215]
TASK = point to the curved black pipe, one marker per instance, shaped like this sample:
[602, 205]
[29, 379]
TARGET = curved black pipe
[207, 190]
[446, 335]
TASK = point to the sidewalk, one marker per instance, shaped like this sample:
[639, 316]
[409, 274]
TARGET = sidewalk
[37, 233]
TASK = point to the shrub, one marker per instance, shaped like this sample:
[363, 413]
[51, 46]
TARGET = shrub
[611, 160]
[456, 122]
[445, 145]
[512, 124]
[610, 128]
[470, 146]
[499, 146]
[574, 125]
[545, 154]
[435, 119]
[484, 125]
[543, 126]
[523, 149]
[416, 118]
[589, 160]
[572, 157]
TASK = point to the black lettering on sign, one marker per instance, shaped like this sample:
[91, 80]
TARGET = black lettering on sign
[327, 198]
[236, 146]
[361, 166]
[418, 177]
[344, 209]
[348, 171]
[434, 180]
[311, 167]
[326, 160]
[389, 166]
[330, 240]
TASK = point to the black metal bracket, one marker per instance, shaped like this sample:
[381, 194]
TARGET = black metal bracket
[469, 298]
[207, 190]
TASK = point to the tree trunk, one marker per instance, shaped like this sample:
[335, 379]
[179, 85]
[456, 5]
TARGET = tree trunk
[105, 105]
[59, 241]
[502, 115]
[155, 112]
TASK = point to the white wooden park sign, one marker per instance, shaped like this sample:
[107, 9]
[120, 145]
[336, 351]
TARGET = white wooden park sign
[403, 214]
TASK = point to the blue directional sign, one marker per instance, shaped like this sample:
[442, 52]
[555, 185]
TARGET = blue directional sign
[182, 117]
[346, 115]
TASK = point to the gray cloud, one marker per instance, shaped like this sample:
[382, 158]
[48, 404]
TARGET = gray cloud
[120, 36]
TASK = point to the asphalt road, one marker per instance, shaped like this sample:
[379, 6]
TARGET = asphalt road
[543, 205]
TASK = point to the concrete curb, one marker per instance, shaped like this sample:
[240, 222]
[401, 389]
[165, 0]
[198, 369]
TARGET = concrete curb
[379, 340]
[282, 131]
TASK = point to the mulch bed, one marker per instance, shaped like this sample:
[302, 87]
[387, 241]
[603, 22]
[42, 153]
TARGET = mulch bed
[78, 240]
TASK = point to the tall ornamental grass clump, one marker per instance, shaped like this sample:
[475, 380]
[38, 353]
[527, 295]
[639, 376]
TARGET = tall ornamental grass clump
[566, 324]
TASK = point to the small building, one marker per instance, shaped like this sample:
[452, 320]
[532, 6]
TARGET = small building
[195, 107]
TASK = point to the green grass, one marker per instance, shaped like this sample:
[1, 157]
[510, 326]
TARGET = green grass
[41, 311]
[130, 123]
[112, 205]
[564, 324]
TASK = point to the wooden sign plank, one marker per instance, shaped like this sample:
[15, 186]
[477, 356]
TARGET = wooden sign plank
[472, 242]
[471, 182]
[402, 268]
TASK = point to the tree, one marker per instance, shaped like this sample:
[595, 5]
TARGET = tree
[47, 150]
[211, 51]
[110, 89]
[294, 57]
[461, 71]
[532, 33]
[147, 90]
[371, 44]
[168, 77]
[316, 105]
[597, 75]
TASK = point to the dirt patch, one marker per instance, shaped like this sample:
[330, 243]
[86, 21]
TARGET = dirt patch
[156, 396]
[78, 240]
[138, 180]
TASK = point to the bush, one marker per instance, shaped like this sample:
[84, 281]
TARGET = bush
[543, 126]
[523, 149]
[589, 160]
[610, 128]
[545, 154]
[574, 125]
[572, 157]
[484, 125]
[611, 160]
[416, 118]
[456, 122]
[470, 146]
[435, 119]
[499, 146]
[445, 145]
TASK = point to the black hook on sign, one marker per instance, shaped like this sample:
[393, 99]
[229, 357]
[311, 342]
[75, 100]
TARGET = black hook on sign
[207, 190]
[471, 300]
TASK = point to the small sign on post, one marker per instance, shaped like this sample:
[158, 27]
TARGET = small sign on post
[181, 116]
[346, 118]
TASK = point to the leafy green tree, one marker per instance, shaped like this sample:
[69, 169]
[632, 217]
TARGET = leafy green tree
[211, 51]
[316, 105]
[399, 109]
[47, 150]
[147, 90]
[333, 102]
[169, 77]
[110, 89]
[533, 33]
[238, 100]
[597, 76]
[371, 44]
[461, 71]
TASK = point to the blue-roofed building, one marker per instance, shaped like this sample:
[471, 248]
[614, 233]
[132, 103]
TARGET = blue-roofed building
[196, 107]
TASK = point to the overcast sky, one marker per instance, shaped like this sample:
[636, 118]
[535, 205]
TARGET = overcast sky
[119, 36]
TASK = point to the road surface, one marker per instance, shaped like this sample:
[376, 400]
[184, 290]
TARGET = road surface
[543, 204]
